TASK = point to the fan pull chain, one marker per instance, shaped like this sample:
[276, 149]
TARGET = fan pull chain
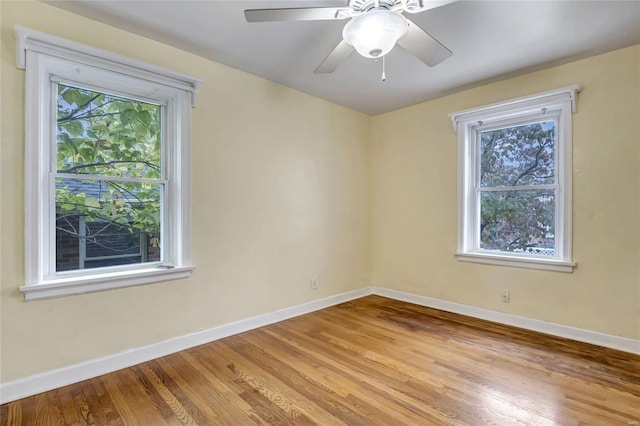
[384, 74]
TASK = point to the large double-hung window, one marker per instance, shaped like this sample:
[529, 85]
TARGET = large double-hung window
[514, 182]
[107, 169]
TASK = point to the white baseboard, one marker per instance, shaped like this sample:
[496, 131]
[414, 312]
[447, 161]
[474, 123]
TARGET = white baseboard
[559, 330]
[21, 388]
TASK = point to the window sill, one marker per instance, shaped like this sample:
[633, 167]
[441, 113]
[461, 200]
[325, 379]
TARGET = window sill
[99, 282]
[517, 262]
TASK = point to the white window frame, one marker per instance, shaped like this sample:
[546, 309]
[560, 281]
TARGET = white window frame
[48, 60]
[560, 104]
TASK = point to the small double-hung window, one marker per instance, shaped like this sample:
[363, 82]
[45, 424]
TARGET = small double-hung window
[107, 169]
[514, 182]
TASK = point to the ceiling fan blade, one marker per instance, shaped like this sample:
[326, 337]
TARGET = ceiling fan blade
[335, 58]
[295, 14]
[423, 46]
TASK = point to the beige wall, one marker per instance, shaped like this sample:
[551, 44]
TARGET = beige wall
[287, 186]
[281, 193]
[414, 202]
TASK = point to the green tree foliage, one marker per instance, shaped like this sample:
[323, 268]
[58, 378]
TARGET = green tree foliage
[104, 135]
[516, 219]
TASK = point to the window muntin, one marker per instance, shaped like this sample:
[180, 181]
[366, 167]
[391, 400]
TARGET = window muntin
[514, 181]
[98, 137]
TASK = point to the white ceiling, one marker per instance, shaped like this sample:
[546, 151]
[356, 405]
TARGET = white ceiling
[490, 40]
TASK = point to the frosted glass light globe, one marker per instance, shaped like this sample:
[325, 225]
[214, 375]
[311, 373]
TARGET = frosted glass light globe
[373, 34]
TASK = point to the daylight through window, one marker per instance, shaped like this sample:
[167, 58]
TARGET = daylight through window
[517, 188]
[109, 181]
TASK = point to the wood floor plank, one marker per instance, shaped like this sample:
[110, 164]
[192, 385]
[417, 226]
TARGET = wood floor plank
[4, 414]
[255, 406]
[12, 413]
[191, 388]
[333, 387]
[386, 372]
[295, 378]
[104, 410]
[286, 398]
[136, 407]
[216, 394]
[68, 407]
[371, 361]
[378, 384]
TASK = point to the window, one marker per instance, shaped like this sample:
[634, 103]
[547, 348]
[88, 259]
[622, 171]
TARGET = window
[514, 182]
[107, 169]
[101, 221]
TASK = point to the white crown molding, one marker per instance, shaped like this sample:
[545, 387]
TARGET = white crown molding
[21, 388]
[29, 39]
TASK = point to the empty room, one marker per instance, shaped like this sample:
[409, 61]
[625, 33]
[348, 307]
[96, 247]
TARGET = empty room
[320, 212]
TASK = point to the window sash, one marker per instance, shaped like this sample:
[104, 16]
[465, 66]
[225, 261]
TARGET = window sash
[161, 100]
[538, 117]
[516, 188]
[96, 85]
[477, 234]
[51, 271]
[543, 115]
[527, 119]
[166, 238]
[88, 176]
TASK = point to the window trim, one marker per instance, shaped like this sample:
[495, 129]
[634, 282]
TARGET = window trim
[47, 58]
[464, 124]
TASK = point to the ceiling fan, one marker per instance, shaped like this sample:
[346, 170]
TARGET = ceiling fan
[374, 28]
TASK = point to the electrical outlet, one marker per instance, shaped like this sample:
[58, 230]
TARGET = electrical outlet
[314, 283]
[505, 296]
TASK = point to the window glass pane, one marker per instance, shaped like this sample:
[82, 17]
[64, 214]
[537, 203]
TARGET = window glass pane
[520, 155]
[520, 221]
[106, 239]
[106, 223]
[103, 134]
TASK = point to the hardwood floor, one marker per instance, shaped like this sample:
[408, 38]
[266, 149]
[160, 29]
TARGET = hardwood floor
[372, 361]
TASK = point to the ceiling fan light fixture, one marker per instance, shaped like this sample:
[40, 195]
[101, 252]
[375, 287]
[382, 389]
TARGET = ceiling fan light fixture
[373, 34]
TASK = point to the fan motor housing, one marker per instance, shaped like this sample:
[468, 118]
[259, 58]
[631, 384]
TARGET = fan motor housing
[366, 5]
